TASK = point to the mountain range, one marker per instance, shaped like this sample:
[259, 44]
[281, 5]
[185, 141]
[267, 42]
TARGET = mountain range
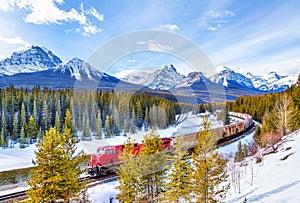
[37, 65]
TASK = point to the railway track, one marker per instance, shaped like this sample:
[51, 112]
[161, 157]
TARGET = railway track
[91, 182]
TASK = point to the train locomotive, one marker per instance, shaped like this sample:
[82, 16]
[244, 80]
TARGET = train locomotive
[106, 160]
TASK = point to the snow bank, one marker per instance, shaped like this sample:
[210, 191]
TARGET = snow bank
[16, 158]
[103, 193]
[276, 179]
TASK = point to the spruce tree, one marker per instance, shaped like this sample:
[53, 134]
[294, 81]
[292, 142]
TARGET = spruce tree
[208, 169]
[23, 116]
[31, 129]
[239, 154]
[146, 119]
[15, 131]
[3, 129]
[86, 126]
[132, 123]
[108, 126]
[55, 176]
[22, 137]
[151, 168]
[99, 125]
[128, 176]
[57, 122]
[69, 121]
[178, 181]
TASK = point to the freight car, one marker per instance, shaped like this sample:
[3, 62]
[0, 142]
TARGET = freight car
[107, 158]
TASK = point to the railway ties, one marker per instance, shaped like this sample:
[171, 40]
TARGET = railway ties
[13, 196]
[21, 195]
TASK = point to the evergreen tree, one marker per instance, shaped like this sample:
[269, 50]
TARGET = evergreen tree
[128, 176]
[3, 129]
[208, 170]
[15, 132]
[239, 154]
[178, 181]
[86, 126]
[257, 135]
[224, 116]
[57, 122]
[108, 126]
[55, 176]
[35, 111]
[69, 121]
[31, 129]
[22, 136]
[132, 123]
[23, 116]
[268, 124]
[151, 168]
[46, 114]
[146, 119]
[99, 125]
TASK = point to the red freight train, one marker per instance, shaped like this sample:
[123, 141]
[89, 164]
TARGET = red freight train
[107, 158]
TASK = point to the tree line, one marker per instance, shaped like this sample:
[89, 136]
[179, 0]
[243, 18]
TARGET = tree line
[26, 114]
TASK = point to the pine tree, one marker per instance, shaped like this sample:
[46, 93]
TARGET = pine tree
[208, 168]
[86, 126]
[146, 119]
[55, 176]
[239, 154]
[151, 168]
[178, 182]
[31, 129]
[22, 137]
[132, 123]
[128, 176]
[57, 122]
[3, 129]
[15, 132]
[23, 116]
[108, 126]
[99, 125]
[69, 121]
[46, 114]
[35, 111]
[268, 125]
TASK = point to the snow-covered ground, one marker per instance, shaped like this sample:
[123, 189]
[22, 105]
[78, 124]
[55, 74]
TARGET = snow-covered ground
[274, 180]
[16, 158]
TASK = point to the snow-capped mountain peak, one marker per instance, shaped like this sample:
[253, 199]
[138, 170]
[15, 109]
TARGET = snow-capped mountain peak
[77, 67]
[170, 67]
[163, 78]
[222, 68]
[226, 76]
[31, 59]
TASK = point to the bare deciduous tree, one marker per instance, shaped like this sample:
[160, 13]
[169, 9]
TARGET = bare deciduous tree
[284, 114]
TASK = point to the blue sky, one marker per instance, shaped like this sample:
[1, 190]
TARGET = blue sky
[249, 36]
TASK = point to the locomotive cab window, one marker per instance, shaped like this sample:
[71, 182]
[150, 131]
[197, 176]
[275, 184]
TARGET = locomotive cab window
[110, 151]
[100, 151]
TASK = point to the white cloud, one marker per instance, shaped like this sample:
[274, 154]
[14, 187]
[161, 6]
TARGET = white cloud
[169, 27]
[90, 29]
[213, 20]
[96, 14]
[153, 45]
[14, 41]
[47, 12]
